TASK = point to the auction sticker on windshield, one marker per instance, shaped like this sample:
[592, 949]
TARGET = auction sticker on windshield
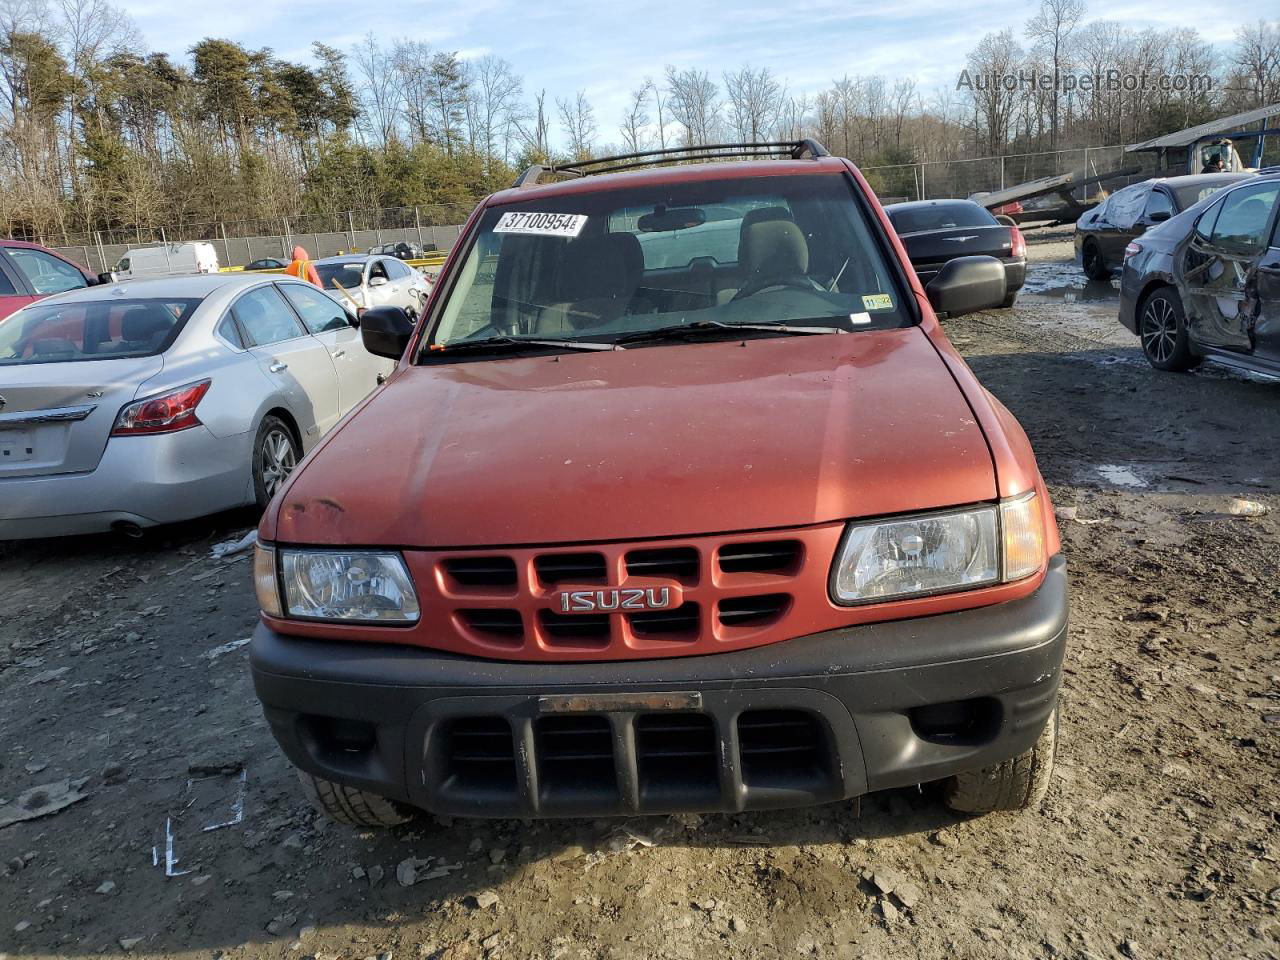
[542, 224]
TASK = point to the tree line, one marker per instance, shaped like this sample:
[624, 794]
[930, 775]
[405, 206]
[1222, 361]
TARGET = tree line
[96, 133]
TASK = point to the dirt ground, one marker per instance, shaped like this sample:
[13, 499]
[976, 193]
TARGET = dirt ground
[1160, 836]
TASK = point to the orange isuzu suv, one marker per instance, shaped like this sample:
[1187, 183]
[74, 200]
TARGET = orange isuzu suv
[679, 499]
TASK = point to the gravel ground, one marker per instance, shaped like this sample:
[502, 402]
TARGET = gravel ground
[1160, 836]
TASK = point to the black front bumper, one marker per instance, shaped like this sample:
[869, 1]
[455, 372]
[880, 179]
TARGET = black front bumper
[809, 720]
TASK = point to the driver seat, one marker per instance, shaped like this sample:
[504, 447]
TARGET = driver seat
[771, 249]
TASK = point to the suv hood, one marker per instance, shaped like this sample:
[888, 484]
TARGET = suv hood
[646, 443]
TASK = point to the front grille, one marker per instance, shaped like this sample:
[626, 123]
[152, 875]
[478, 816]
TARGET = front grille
[481, 571]
[774, 556]
[683, 622]
[575, 757]
[753, 611]
[780, 748]
[577, 629]
[726, 593]
[557, 568]
[646, 761]
[495, 625]
[479, 755]
[677, 756]
[678, 563]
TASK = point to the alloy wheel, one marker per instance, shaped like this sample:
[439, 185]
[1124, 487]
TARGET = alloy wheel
[278, 460]
[1159, 329]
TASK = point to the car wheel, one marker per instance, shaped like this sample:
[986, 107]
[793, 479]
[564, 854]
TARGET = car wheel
[1095, 268]
[1017, 784]
[1162, 327]
[351, 806]
[1009, 300]
[275, 454]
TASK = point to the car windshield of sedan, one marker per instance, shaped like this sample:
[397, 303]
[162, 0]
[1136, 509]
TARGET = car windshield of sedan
[940, 216]
[602, 264]
[346, 275]
[92, 330]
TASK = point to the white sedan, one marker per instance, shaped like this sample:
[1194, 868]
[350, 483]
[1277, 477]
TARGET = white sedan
[361, 282]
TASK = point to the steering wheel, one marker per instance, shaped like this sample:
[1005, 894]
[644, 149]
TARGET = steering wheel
[761, 284]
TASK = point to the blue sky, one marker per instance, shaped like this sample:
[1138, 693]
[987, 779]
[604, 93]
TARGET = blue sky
[606, 49]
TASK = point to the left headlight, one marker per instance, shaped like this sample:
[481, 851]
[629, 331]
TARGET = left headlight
[939, 552]
[348, 587]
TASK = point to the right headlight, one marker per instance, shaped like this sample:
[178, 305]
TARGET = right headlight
[335, 585]
[939, 552]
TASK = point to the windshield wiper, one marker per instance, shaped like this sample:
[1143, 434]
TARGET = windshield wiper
[506, 343]
[711, 328]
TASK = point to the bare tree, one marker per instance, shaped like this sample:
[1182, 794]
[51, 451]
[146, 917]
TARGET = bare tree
[1050, 28]
[534, 129]
[411, 60]
[1257, 58]
[635, 118]
[755, 102]
[694, 100]
[659, 106]
[380, 92]
[578, 120]
[997, 56]
[493, 99]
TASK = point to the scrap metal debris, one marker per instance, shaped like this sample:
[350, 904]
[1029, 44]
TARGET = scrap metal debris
[229, 548]
[225, 648]
[42, 801]
[237, 806]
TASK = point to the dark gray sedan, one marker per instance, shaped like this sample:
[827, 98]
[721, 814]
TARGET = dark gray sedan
[1206, 283]
[1103, 232]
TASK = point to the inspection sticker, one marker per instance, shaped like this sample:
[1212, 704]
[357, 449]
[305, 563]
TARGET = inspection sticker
[877, 301]
[542, 224]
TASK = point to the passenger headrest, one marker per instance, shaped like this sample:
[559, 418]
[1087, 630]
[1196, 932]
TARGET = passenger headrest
[145, 322]
[749, 220]
[594, 268]
[775, 248]
[628, 245]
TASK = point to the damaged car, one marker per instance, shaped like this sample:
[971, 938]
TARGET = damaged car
[1205, 285]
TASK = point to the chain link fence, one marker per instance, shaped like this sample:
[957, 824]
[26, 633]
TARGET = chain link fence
[240, 242]
[939, 179]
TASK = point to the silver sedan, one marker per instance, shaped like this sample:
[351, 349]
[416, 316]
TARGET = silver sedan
[154, 401]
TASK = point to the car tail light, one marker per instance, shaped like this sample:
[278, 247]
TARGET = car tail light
[1132, 250]
[1019, 243]
[167, 413]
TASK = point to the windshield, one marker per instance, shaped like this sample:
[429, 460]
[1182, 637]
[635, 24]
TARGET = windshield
[1194, 193]
[602, 264]
[92, 330]
[939, 216]
[347, 274]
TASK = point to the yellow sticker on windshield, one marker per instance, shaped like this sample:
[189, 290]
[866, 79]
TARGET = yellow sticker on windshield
[878, 301]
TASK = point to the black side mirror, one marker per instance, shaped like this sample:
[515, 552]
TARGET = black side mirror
[102, 278]
[967, 285]
[386, 331]
[1159, 216]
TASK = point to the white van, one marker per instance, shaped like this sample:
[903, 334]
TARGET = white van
[167, 259]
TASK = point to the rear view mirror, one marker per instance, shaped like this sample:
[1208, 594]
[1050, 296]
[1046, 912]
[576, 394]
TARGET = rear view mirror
[1159, 216]
[967, 285]
[676, 218]
[386, 331]
[377, 281]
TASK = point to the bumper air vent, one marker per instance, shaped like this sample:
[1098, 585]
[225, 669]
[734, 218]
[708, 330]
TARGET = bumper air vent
[772, 556]
[753, 611]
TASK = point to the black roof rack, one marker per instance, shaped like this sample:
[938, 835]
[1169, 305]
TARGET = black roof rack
[783, 149]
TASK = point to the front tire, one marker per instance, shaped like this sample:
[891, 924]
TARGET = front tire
[351, 806]
[275, 454]
[1017, 784]
[1162, 327]
[1095, 268]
